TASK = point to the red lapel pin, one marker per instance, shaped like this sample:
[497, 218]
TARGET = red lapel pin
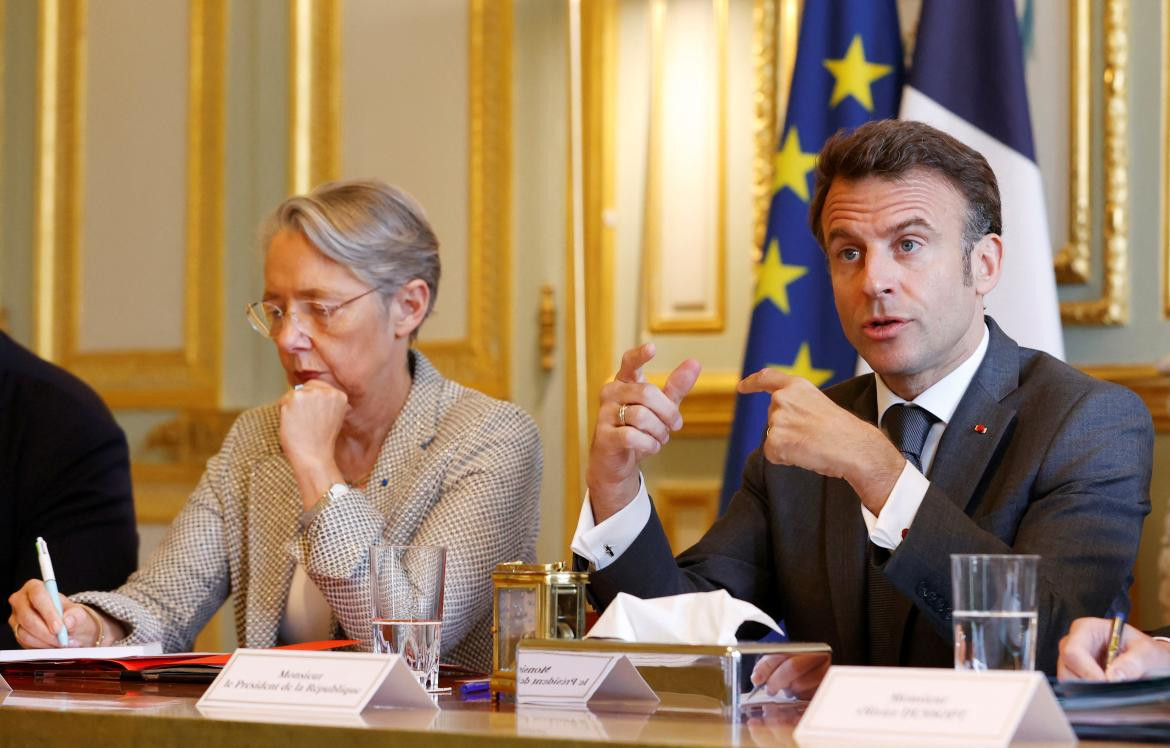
[980, 428]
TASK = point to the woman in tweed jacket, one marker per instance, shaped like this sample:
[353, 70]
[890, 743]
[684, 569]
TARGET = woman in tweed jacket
[371, 444]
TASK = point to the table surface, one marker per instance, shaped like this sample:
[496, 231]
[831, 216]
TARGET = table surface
[85, 713]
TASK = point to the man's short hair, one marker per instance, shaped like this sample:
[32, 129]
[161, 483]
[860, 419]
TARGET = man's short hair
[890, 149]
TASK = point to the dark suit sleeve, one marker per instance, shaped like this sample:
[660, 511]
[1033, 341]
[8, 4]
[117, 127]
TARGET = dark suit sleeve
[735, 555]
[1089, 498]
[74, 490]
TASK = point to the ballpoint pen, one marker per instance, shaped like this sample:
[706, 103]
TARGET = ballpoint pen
[1114, 639]
[51, 585]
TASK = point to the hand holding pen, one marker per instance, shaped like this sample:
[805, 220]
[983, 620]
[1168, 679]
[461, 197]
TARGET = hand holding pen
[1085, 653]
[42, 618]
[50, 579]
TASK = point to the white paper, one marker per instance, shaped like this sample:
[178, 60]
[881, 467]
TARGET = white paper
[591, 680]
[81, 653]
[693, 618]
[933, 706]
[322, 682]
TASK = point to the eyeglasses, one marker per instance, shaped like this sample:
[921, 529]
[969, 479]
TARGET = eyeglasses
[310, 317]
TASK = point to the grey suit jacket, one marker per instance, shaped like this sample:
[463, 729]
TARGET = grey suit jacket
[1062, 470]
[458, 469]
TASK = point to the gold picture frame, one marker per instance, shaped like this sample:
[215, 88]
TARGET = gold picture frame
[136, 378]
[482, 358]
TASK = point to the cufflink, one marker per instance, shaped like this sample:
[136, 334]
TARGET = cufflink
[609, 550]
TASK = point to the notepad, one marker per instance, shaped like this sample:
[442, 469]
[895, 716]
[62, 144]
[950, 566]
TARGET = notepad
[146, 662]
[80, 653]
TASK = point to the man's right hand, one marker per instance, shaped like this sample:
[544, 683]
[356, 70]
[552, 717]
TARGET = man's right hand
[1082, 652]
[798, 674]
[650, 415]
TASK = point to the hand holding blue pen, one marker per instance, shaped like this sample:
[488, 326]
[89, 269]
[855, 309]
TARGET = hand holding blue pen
[50, 580]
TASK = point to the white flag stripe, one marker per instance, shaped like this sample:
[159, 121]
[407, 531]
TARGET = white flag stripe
[1024, 303]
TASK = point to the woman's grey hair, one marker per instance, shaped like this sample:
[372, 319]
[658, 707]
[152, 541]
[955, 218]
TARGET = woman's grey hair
[377, 231]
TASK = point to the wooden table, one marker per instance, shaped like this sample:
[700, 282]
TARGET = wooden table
[90, 713]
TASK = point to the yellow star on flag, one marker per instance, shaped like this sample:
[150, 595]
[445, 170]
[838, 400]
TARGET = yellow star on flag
[793, 166]
[774, 278]
[854, 75]
[802, 367]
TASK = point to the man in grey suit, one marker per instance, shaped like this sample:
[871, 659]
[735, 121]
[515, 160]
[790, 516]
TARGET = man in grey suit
[963, 442]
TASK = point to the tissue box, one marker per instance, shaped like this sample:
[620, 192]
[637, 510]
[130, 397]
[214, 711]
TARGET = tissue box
[686, 676]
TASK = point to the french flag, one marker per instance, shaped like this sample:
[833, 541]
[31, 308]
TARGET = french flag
[967, 80]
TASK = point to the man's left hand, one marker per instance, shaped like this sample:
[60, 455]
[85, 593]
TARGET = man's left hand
[806, 429]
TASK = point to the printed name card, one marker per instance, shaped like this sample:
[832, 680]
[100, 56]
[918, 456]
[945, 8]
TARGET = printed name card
[321, 682]
[933, 706]
[590, 680]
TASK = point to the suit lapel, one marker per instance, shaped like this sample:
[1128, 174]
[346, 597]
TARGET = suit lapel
[845, 546]
[274, 509]
[973, 435]
[980, 423]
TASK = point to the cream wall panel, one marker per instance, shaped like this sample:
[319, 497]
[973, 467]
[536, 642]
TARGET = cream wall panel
[404, 119]
[132, 243]
[723, 352]
[18, 60]
[684, 237]
[539, 234]
[1048, 75]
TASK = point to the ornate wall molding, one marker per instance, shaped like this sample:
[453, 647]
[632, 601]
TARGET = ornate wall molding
[775, 28]
[1073, 261]
[137, 378]
[481, 359]
[675, 500]
[315, 103]
[1165, 161]
[590, 109]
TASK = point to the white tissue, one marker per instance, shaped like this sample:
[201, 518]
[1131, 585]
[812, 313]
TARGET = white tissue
[693, 618]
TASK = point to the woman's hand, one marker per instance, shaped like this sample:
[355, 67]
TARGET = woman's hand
[35, 622]
[310, 420]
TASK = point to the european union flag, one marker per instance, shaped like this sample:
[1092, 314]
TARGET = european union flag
[848, 70]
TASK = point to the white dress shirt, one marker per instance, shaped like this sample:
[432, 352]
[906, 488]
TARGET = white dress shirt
[601, 543]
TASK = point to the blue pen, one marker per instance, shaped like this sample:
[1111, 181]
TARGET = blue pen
[51, 585]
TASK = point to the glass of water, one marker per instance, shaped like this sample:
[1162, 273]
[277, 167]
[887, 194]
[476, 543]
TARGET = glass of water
[406, 587]
[994, 611]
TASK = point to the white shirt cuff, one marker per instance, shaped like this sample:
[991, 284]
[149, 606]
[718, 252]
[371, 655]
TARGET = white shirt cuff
[886, 529]
[600, 545]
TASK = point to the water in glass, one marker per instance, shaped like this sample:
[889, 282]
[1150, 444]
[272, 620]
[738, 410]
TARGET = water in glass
[417, 642]
[995, 639]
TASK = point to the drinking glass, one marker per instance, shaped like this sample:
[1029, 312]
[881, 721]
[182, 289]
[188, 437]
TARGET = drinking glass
[406, 586]
[994, 611]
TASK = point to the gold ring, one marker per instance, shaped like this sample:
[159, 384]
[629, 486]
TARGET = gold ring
[622, 414]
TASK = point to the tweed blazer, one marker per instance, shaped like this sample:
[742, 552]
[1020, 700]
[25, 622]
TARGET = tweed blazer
[1037, 458]
[458, 469]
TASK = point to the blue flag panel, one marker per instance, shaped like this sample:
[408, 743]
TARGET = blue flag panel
[848, 70]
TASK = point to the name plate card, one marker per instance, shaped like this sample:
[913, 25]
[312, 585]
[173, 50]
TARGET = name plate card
[933, 706]
[321, 682]
[581, 680]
